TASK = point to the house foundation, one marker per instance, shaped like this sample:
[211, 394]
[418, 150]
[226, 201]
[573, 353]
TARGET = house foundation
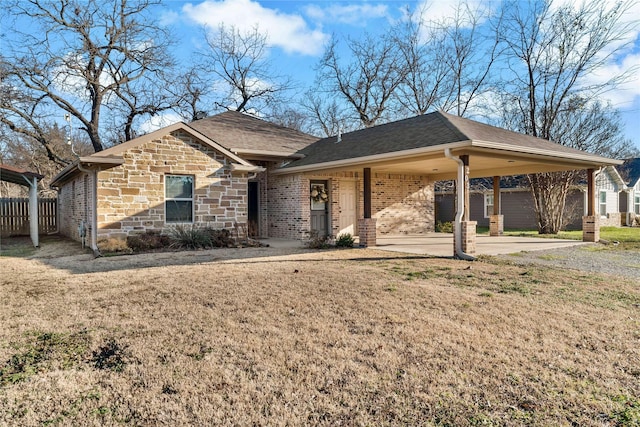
[367, 232]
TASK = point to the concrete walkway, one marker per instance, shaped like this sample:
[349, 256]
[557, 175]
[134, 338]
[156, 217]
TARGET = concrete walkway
[441, 244]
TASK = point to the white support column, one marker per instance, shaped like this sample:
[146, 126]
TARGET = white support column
[33, 211]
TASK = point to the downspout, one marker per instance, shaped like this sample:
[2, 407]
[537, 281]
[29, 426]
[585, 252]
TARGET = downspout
[460, 208]
[33, 210]
[93, 244]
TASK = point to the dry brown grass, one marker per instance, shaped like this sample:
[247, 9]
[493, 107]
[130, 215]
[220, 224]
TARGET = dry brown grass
[351, 337]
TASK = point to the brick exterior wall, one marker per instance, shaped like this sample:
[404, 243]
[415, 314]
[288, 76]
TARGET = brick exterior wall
[75, 206]
[288, 206]
[401, 204]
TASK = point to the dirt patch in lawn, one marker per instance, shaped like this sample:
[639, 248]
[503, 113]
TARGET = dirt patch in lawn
[260, 336]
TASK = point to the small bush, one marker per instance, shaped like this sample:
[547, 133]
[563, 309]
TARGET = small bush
[345, 240]
[316, 241]
[148, 241]
[190, 237]
[220, 238]
[444, 227]
[114, 245]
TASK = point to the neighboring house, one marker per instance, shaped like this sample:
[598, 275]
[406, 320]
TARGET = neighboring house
[630, 198]
[236, 170]
[517, 205]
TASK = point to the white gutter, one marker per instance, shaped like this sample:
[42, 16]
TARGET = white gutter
[460, 187]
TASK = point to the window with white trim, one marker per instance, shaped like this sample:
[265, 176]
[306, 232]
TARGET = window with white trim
[603, 203]
[178, 199]
[636, 204]
[488, 205]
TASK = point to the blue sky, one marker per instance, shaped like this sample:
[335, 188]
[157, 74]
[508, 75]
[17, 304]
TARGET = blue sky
[298, 29]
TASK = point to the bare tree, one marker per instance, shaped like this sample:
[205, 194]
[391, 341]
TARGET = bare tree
[448, 62]
[192, 90]
[367, 81]
[86, 56]
[428, 79]
[469, 54]
[550, 52]
[28, 153]
[244, 77]
[327, 116]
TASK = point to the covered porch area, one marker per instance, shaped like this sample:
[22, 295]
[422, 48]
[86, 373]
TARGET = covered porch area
[441, 146]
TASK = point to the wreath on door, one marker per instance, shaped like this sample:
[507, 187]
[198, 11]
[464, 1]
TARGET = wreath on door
[319, 194]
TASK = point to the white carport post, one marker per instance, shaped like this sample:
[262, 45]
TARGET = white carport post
[33, 210]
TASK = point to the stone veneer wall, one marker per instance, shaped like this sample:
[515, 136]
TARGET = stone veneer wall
[613, 219]
[131, 196]
[75, 205]
[401, 203]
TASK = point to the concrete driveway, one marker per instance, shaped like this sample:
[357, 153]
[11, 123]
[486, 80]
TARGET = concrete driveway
[441, 244]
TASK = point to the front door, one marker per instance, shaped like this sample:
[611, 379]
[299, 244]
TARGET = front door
[319, 208]
[348, 213]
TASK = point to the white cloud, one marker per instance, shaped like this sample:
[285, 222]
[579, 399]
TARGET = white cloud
[287, 31]
[351, 14]
[157, 122]
[625, 94]
[168, 17]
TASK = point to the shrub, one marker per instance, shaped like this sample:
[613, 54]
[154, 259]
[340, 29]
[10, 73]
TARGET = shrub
[220, 238]
[190, 237]
[148, 241]
[114, 245]
[317, 241]
[345, 240]
[444, 227]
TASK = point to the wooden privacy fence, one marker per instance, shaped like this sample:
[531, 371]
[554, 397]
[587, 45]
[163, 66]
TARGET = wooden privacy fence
[14, 216]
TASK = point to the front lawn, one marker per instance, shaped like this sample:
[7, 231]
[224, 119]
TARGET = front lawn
[352, 337]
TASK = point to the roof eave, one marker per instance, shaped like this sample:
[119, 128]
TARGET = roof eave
[571, 157]
[364, 160]
[267, 153]
[90, 162]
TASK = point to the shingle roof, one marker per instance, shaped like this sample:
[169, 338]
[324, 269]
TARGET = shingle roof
[15, 174]
[243, 133]
[630, 169]
[423, 131]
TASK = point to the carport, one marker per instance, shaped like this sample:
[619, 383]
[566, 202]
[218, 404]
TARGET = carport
[28, 179]
[442, 147]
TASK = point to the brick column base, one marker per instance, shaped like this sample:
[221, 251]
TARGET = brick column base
[496, 225]
[367, 232]
[468, 237]
[590, 228]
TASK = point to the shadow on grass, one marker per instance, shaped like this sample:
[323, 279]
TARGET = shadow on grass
[64, 254]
